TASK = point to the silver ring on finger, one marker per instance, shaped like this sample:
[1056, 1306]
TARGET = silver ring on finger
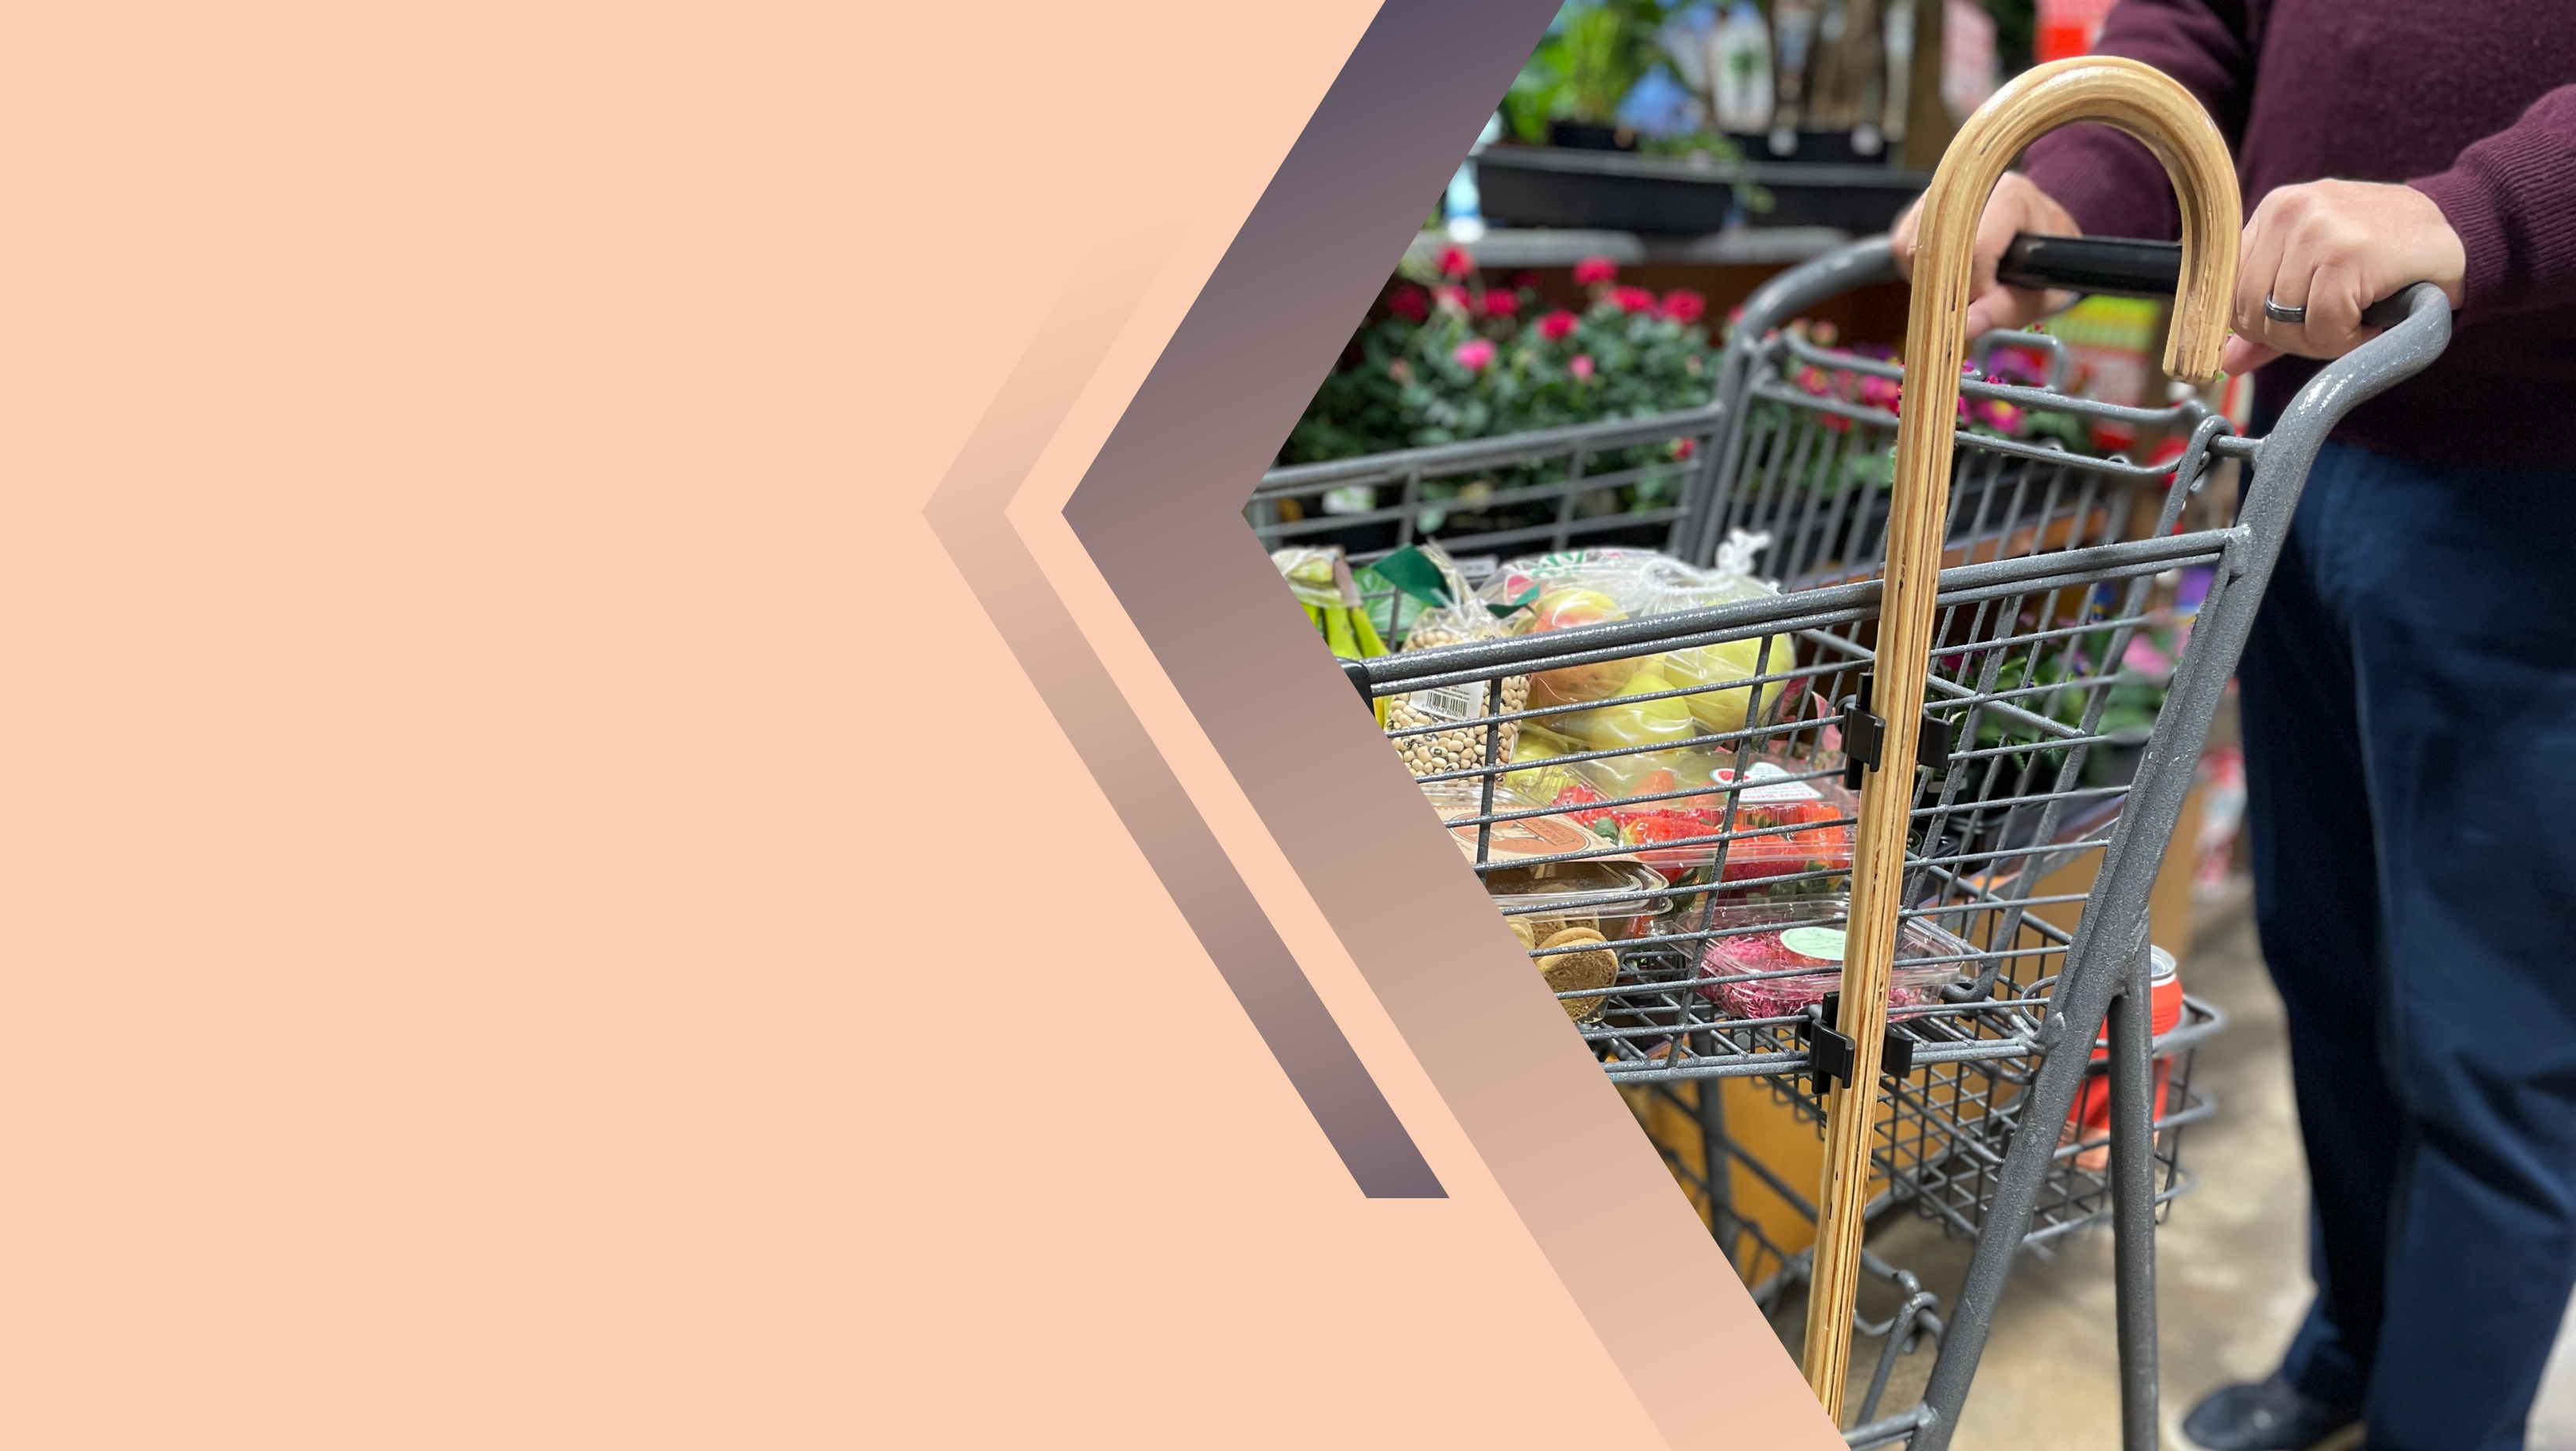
[2293, 316]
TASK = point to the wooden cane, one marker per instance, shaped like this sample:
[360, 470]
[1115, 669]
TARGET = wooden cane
[2151, 106]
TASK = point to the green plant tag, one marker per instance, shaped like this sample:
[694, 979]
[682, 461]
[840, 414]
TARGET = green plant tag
[1412, 571]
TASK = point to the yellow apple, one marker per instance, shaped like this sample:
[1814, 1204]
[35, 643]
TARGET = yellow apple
[1539, 783]
[1719, 711]
[1625, 723]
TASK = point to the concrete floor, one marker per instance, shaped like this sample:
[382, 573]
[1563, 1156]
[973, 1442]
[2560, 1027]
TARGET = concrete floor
[2231, 1260]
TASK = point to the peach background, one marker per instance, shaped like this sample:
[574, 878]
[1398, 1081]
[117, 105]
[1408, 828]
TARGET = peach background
[488, 959]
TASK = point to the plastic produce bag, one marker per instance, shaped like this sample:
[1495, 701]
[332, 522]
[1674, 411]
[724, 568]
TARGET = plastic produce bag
[1678, 587]
[1652, 707]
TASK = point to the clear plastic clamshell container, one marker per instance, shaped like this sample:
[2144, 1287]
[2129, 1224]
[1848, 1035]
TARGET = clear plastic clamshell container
[1777, 959]
[1785, 833]
[1567, 914]
[1616, 893]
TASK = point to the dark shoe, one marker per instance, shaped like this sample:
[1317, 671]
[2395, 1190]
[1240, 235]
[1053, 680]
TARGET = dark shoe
[2268, 1416]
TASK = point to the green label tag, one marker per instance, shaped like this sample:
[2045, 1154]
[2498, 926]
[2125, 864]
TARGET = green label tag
[1412, 571]
[1825, 943]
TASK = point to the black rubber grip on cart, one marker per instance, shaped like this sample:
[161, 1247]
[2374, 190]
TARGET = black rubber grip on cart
[2119, 267]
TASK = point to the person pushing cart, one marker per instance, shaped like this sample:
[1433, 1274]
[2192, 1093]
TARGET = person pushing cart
[2409, 686]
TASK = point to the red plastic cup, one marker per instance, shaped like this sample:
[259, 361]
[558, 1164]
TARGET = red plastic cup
[2090, 1118]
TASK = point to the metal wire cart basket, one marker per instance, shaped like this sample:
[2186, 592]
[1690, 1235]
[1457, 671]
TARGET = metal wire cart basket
[1690, 922]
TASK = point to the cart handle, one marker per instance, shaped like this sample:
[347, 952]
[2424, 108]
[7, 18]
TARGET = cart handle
[2153, 107]
[2125, 268]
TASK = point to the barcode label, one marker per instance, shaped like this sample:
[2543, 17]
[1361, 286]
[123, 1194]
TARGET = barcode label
[1781, 789]
[1451, 702]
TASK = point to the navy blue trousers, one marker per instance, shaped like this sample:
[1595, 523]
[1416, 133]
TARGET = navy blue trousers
[2409, 706]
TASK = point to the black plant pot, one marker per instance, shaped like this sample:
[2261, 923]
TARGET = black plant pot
[1811, 148]
[1598, 189]
[1590, 136]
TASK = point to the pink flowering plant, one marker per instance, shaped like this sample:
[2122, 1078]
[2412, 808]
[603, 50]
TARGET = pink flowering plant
[1992, 417]
[1450, 356]
[1870, 460]
[1455, 358]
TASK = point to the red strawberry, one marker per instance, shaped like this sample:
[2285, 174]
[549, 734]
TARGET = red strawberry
[1757, 857]
[1657, 836]
[1591, 808]
[1708, 809]
[1657, 828]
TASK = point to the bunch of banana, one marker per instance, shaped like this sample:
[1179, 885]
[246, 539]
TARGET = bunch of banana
[1321, 580]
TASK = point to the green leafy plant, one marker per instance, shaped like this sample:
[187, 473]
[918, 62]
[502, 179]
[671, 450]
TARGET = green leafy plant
[1594, 53]
[1720, 150]
[1603, 52]
[2060, 687]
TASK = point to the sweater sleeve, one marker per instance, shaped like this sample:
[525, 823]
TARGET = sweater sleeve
[2110, 182]
[2512, 199]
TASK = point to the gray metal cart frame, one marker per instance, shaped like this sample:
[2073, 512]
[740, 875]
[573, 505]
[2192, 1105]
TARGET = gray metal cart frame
[2032, 621]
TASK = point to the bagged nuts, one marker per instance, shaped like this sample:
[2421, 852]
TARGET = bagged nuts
[1452, 750]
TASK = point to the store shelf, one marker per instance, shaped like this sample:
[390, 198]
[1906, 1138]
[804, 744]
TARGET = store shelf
[1571, 188]
[1554, 247]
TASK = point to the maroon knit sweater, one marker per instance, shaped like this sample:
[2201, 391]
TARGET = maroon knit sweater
[2471, 104]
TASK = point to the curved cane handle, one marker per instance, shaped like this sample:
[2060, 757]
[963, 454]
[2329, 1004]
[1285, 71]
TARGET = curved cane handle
[2151, 106]
[2138, 99]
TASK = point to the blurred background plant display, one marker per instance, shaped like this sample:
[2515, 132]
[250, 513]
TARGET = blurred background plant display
[1595, 53]
[1683, 75]
[1553, 333]
[1991, 417]
[1861, 95]
[1626, 75]
[1453, 358]
[1450, 357]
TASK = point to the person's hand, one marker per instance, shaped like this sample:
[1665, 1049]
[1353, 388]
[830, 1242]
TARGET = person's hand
[2016, 206]
[2334, 248]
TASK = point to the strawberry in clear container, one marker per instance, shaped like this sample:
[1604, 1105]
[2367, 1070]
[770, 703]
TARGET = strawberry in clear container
[1583, 804]
[1789, 834]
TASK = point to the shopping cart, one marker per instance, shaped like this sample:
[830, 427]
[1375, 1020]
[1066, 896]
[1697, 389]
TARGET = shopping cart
[1776, 456]
[2052, 568]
